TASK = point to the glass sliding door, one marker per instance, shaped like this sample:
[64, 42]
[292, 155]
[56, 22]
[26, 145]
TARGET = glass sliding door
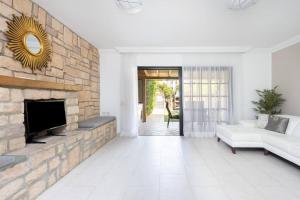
[207, 99]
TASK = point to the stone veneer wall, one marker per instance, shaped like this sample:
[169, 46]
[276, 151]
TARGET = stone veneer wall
[12, 129]
[74, 60]
[48, 163]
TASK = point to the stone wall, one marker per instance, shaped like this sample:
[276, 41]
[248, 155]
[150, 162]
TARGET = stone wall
[74, 60]
[48, 163]
[12, 130]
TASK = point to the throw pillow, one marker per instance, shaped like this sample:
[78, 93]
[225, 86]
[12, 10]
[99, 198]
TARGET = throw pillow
[262, 120]
[277, 124]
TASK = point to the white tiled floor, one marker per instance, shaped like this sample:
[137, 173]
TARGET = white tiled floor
[175, 168]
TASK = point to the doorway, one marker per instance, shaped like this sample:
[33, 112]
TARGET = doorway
[160, 101]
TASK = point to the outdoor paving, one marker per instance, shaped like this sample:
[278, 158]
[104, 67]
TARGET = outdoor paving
[155, 125]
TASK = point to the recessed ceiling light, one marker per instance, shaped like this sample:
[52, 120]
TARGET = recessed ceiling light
[241, 4]
[130, 6]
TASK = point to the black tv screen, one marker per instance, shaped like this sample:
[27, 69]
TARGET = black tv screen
[43, 115]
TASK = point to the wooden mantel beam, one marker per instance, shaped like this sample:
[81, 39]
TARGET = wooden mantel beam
[13, 82]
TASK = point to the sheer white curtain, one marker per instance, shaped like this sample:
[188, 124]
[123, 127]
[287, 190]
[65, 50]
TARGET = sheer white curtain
[207, 93]
[129, 96]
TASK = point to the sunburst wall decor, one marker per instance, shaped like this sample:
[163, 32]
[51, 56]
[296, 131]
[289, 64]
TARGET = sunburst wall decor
[29, 42]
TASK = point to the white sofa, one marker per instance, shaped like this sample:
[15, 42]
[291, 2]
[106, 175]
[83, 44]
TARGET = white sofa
[246, 134]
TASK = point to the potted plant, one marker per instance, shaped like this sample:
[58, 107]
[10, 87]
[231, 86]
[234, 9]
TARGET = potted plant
[269, 103]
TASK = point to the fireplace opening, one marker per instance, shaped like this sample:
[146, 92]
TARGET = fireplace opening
[43, 117]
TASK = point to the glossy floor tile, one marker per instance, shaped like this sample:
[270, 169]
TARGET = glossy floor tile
[177, 168]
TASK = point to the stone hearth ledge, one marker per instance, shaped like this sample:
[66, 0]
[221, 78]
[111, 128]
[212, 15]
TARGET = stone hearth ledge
[47, 163]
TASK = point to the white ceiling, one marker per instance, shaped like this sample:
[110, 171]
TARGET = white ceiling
[179, 23]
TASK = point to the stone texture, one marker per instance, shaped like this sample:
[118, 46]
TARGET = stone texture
[51, 179]
[24, 75]
[3, 120]
[11, 107]
[64, 169]
[57, 25]
[16, 171]
[36, 94]
[74, 157]
[23, 6]
[72, 101]
[57, 61]
[53, 164]
[3, 146]
[9, 63]
[5, 72]
[9, 189]
[68, 36]
[16, 95]
[36, 159]
[36, 189]
[36, 173]
[72, 110]
[3, 25]
[16, 143]
[12, 130]
[7, 11]
[8, 2]
[59, 49]
[47, 165]
[4, 94]
[20, 195]
[16, 119]
[58, 95]
[55, 72]
[42, 17]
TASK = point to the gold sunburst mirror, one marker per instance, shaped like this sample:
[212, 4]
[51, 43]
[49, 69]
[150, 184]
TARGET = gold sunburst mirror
[29, 42]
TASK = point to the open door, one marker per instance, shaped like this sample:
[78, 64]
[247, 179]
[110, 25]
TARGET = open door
[160, 101]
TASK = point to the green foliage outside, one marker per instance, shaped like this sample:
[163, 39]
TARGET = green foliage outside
[151, 89]
[166, 91]
[169, 95]
[270, 102]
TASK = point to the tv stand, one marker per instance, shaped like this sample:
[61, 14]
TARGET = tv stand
[35, 142]
[50, 132]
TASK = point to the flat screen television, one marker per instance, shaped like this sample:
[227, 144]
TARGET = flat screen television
[42, 115]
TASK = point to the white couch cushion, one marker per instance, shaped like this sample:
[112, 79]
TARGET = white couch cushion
[248, 123]
[262, 120]
[240, 133]
[287, 143]
[296, 131]
[295, 149]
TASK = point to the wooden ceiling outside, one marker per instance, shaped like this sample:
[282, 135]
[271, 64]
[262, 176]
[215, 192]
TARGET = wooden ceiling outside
[158, 74]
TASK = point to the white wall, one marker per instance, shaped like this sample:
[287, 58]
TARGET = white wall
[110, 72]
[256, 74]
[252, 71]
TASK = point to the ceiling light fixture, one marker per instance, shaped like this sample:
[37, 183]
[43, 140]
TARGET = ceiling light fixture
[241, 4]
[130, 6]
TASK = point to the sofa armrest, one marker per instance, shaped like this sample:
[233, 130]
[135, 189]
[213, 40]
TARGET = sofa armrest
[248, 123]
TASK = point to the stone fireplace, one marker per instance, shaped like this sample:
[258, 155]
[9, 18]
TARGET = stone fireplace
[12, 129]
[42, 165]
